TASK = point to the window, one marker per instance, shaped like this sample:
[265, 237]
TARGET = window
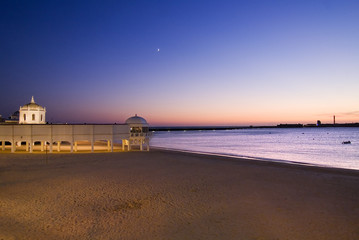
[24, 117]
[41, 117]
[135, 130]
[33, 117]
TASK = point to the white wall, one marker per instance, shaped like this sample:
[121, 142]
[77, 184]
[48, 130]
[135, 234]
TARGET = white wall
[63, 132]
[38, 115]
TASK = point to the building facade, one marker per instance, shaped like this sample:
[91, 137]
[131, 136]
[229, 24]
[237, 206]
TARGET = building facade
[32, 130]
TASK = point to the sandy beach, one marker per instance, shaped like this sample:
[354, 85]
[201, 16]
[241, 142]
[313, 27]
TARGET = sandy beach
[172, 195]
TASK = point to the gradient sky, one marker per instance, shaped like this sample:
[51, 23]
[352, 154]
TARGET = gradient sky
[220, 62]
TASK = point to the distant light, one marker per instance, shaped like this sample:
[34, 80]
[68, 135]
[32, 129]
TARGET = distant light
[158, 49]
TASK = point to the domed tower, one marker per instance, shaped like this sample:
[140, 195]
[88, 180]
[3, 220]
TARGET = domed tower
[139, 132]
[32, 113]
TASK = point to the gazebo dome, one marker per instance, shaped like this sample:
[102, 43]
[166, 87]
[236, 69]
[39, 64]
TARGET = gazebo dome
[136, 120]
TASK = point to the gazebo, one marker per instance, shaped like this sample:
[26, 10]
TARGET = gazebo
[139, 133]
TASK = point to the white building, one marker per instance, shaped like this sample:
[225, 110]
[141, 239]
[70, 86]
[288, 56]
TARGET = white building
[32, 113]
[32, 131]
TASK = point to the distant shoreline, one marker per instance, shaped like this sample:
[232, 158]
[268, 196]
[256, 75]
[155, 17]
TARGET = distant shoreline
[198, 128]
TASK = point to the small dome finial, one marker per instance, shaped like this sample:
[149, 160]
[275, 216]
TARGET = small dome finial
[32, 99]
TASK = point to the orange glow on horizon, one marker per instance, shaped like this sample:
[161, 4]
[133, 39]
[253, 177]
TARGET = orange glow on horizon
[243, 121]
[210, 115]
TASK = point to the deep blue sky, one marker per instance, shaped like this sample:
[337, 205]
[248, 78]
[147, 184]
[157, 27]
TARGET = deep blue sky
[220, 62]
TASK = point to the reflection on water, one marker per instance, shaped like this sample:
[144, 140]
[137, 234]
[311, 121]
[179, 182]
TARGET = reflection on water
[319, 146]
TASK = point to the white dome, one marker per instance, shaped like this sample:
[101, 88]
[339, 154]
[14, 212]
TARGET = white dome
[136, 120]
[32, 106]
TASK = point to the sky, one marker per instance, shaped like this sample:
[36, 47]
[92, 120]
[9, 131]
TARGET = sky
[179, 63]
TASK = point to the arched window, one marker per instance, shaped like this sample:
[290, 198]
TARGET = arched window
[33, 117]
[24, 117]
[41, 117]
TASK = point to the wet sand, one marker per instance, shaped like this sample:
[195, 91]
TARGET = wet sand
[172, 195]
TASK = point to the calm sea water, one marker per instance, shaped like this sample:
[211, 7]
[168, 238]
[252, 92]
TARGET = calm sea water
[314, 146]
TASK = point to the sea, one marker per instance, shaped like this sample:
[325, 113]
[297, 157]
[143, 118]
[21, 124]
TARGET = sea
[306, 146]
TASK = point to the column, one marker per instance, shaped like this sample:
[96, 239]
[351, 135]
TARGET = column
[92, 138]
[12, 142]
[3, 145]
[31, 146]
[72, 139]
[141, 142]
[51, 139]
[13, 147]
[75, 146]
[58, 146]
[27, 146]
[112, 146]
[42, 146]
[108, 145]
[31, 141]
